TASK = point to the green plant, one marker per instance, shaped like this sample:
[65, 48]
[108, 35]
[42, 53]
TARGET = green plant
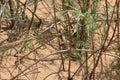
[78, 31]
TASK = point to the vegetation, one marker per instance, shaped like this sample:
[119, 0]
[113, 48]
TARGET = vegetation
[76, 35]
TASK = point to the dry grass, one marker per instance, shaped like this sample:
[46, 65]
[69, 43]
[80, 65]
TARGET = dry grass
[54, 47]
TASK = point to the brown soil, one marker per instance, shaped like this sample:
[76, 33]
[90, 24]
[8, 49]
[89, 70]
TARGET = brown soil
[45, 69]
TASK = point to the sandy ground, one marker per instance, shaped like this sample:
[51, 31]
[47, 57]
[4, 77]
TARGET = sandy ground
[47, 69]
